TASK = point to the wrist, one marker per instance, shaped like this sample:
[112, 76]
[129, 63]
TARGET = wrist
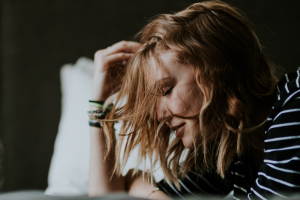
[98, 113]
[101, 91]
[100, 97]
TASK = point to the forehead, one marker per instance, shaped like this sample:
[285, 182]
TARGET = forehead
[161, 65]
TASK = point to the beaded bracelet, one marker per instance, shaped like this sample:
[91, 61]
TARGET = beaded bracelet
[96, 123]
[95, 116]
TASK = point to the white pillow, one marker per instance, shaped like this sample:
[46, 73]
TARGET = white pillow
[68, 174]
[69, 169]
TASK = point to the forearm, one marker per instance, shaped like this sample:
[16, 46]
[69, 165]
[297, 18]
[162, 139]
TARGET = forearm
[100, 181]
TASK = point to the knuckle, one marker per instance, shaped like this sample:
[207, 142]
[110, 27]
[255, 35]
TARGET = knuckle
[123, 43]
[122, 55]
[98, 53]
[102, 60]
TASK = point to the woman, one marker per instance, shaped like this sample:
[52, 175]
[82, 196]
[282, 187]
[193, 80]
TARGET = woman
[199, 74]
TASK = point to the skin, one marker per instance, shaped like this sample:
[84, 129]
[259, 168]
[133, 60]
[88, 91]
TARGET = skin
[100, 169]
[180, 96]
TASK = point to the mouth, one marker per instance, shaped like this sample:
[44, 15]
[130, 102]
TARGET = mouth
[179, 130]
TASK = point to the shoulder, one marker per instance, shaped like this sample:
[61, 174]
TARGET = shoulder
[285, 112]
[279, 174]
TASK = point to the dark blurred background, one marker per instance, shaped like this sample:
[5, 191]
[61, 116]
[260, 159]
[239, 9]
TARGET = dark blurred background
[39, 36]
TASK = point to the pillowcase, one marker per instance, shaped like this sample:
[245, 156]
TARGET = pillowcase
[69, 168]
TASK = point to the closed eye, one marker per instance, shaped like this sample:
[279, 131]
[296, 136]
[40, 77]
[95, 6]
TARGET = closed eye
[168, 91]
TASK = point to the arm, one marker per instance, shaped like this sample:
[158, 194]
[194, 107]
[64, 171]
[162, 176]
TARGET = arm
[99, 184]
[143, 188]
[279, 175]
[100, 169]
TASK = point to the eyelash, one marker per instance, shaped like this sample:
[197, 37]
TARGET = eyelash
[168, 91]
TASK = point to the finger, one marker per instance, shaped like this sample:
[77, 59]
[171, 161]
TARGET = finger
[123, 46]
[117, 58]
[120, 47]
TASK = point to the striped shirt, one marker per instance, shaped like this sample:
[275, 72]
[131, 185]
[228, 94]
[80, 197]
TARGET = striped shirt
[279, 175]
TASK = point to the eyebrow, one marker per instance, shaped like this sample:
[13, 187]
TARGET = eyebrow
[163, 81]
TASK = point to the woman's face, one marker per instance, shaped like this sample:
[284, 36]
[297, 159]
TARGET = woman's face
[179, 95]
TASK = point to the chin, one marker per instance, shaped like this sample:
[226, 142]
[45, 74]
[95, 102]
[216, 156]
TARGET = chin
[187, 142]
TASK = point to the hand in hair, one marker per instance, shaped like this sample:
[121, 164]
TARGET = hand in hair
[109, 65]
[109, 68]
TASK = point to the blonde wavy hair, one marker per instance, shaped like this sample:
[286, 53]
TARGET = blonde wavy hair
[231, 71]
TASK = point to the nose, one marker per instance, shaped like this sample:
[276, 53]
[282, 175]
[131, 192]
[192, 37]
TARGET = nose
[162, 110]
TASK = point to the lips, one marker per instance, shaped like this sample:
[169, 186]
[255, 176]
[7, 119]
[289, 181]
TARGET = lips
[178, 130]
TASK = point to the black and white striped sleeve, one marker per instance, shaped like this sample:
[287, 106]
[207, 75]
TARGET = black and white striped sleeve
[279, 174]
[197, 186]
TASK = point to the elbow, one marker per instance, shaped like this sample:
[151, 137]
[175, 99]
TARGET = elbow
[96, 192]
[100, 191]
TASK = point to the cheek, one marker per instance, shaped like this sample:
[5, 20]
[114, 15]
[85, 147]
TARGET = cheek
[188, 99]
[184, 101]
[159, 108]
